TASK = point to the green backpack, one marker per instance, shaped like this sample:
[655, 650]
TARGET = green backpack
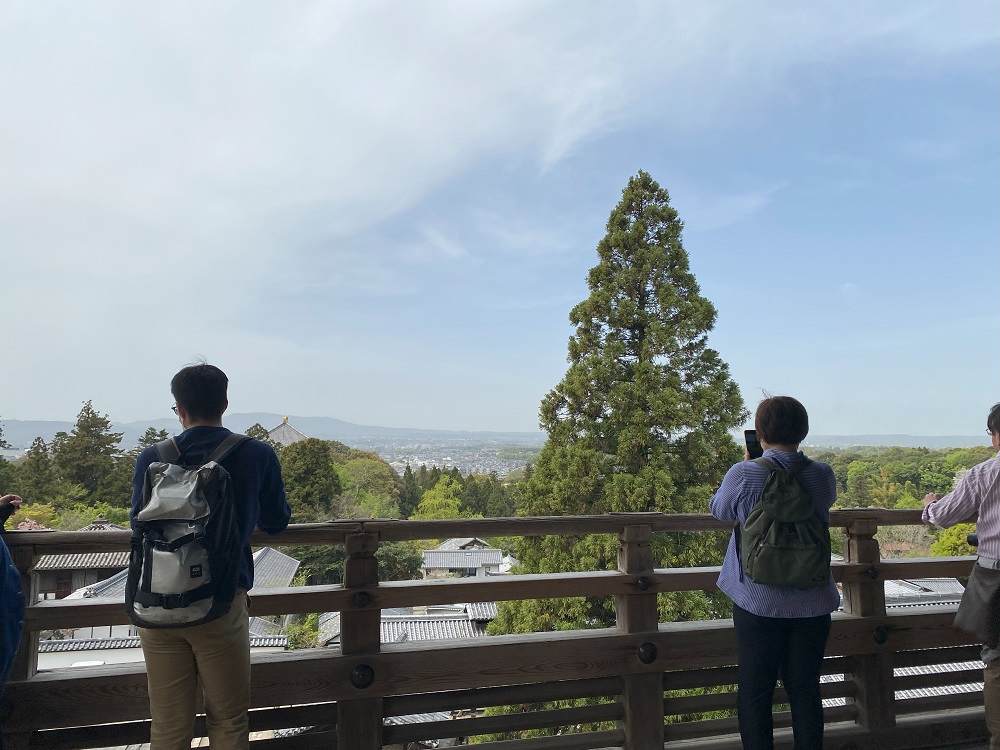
[783, 542]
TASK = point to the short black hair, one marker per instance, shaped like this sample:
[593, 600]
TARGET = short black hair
[993, 420]
[201, 389]
[781, 420]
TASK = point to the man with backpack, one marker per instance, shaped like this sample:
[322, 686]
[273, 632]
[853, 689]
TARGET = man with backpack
[777, 572]
[199, 633]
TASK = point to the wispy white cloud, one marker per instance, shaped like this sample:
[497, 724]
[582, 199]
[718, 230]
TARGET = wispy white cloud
[212, 163]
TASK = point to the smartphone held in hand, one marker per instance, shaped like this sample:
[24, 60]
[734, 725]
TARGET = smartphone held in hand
[753, 444]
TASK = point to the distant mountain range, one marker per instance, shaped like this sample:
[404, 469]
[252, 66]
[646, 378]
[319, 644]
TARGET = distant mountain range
[933, 442]
[20, 433]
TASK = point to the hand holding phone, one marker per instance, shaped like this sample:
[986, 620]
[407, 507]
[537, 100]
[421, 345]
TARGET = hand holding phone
[754, 449]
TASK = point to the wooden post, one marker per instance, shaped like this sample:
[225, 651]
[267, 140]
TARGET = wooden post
[870, 673]
[642, 694]
[359, 722]
[26, 660]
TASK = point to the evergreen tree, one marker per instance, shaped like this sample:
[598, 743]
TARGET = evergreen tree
[641, 420]
[86, 456]
[6, 469]
[440, 501]
[311, 480]
[409, 496]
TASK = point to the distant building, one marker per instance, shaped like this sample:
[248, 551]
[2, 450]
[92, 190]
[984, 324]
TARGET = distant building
[60, 575]
[461, 563]
[284, 434]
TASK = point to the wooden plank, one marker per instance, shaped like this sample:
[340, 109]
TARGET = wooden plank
[137, 732]
[501, 696]
[582, 741]
[944, 703]
[687, 730]
[923, 657]
[939, 679]
[636, 612]
[726, 701]
[359, 720]
[517, 722]
[26, 659]
[117, 692]
[337, 532]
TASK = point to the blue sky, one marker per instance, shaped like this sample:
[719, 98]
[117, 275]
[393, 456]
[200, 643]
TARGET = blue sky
[384, 211]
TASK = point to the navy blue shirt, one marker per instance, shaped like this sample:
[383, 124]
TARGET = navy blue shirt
[257, 484]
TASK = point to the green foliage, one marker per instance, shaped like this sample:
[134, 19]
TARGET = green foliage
[370, 476]
[41, 513]
[3, 442]
[952, 542]
[311, 480]
[641, 420]
[86, 456]
[79, 515]
[304, 634]
[257, 432]
[485, 495]
[398, 561]
[410, 494]
[319, 565]
[440, 501]
[35, 477]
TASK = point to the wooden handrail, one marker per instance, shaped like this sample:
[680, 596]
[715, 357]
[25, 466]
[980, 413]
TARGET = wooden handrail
[66, 708]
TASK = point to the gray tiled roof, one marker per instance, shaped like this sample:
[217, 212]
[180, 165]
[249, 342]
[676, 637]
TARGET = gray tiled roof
[87, 561]
[461, 543]
[260, 626]
[102, 524]
[418, 718]
[418, 628]
[99, 644]
[470, 558]
[113, 587]
[273, 569]
[481, 611]
[285, 434]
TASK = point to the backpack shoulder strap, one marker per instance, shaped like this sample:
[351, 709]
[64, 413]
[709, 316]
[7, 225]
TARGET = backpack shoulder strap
[766, 463]
[227, 446]
[167, 451]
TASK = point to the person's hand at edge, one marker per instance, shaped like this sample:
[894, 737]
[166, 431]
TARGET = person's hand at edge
[14, 500]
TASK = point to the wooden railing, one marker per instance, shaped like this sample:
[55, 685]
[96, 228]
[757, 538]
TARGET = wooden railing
[653, 682]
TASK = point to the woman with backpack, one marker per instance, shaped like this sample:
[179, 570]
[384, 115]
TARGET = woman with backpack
[777, 572]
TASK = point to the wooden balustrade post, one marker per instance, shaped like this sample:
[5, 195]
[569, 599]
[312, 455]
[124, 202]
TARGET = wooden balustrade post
[871, 673]
[359, 722]
[642, 694]
[26, 660]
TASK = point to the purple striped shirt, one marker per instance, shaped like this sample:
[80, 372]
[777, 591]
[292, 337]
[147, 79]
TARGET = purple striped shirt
[977, 492]
[741, 489]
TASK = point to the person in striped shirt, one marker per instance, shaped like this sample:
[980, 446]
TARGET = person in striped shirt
[978, 492]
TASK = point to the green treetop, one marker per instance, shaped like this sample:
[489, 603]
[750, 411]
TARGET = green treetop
[640, 421]
[87, 455]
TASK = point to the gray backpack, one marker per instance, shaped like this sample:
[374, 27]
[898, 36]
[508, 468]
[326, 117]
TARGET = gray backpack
[186, 541]
[783, 542]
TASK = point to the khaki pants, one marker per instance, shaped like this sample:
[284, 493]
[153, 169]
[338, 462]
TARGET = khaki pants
[218, 655]
[991, 699]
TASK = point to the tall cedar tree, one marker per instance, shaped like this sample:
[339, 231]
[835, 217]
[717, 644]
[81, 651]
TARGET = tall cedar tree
[87, 455]
[641, 420]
